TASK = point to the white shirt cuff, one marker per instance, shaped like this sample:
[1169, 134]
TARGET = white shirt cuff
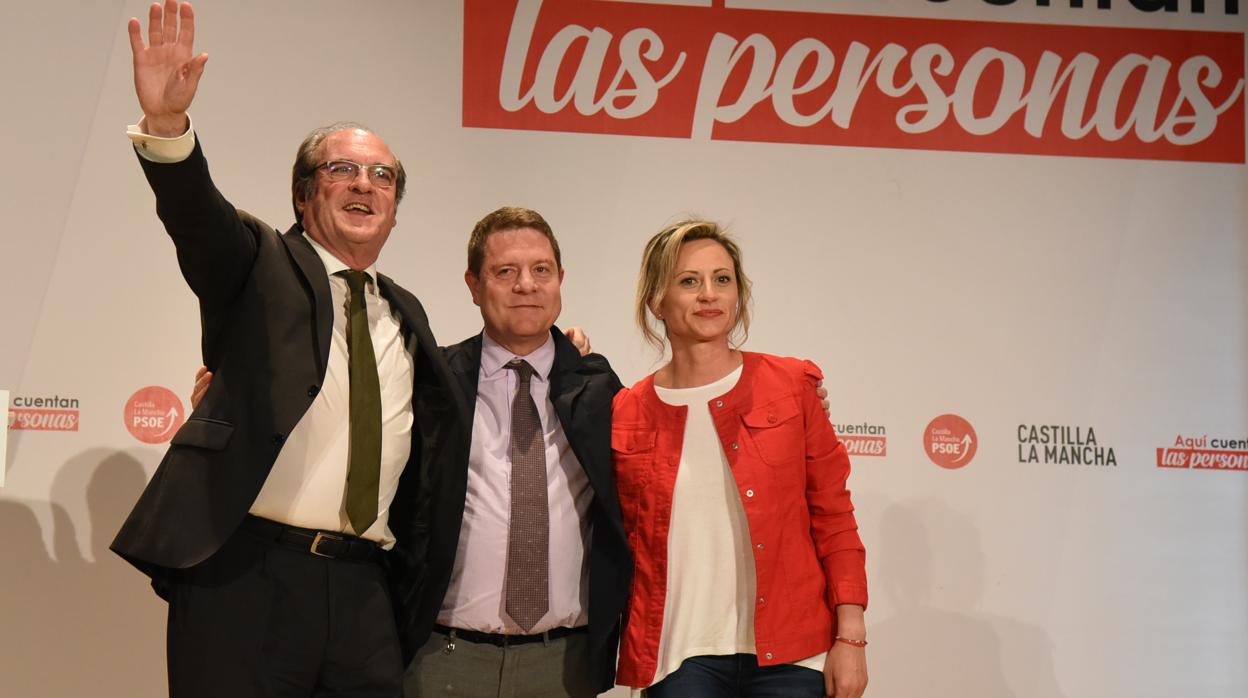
[162, 150]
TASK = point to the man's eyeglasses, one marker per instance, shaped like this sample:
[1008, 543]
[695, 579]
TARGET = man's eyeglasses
[383, 176]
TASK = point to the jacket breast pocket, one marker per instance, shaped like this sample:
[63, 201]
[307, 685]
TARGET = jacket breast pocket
[201, 432]
[777, 432]
[632, 457]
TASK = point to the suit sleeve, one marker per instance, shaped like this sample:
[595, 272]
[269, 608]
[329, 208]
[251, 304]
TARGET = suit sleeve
[832, 523]
[216, 244]
[599, 364]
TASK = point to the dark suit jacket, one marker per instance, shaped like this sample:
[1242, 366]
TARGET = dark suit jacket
[581, 389]
[267, 317]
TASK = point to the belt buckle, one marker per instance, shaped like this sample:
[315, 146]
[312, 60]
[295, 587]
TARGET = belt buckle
[320, 536]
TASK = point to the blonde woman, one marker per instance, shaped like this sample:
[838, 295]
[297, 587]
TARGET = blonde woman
[749, 573]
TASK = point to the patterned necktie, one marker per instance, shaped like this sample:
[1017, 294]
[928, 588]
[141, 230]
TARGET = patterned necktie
[528, 543]
[364, 466]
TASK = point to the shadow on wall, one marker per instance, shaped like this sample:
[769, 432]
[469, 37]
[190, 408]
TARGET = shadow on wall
[939, 642]
[79, 625]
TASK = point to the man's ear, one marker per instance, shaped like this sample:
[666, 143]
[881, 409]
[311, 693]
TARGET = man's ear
[472, 280]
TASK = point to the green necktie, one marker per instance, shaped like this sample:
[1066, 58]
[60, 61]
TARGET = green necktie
[364, 469]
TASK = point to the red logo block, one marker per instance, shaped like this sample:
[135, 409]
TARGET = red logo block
[865, 445]
[950, 441]
[1202, 459]
[737, 74]
[153, 414]
[43, 420]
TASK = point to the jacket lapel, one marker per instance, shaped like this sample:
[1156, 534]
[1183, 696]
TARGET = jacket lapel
[567, 384]
[465, 361]
[314, 275]
[405, 304]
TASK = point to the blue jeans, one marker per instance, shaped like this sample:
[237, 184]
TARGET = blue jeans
[737, 675]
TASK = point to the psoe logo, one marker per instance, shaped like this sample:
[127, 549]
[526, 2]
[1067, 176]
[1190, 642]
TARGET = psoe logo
[863, 439]
[153, 414]
[1204, 453]
[53, 413]
[950, 441]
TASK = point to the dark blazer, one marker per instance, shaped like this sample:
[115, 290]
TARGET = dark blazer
[581, 389]
[267, 317]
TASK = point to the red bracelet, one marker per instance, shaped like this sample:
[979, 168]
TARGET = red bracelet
[851, 643]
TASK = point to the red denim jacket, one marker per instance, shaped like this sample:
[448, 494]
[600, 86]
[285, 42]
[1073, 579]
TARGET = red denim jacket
[790, 470]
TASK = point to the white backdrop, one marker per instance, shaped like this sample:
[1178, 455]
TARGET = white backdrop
[1044, 285]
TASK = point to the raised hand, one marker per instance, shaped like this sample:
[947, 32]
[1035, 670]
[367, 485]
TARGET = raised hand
[166, 74]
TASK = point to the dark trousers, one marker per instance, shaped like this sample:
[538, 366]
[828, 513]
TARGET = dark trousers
[737, 675]
[261, 621]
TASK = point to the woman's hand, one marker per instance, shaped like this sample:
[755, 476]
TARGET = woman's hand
[845, 670]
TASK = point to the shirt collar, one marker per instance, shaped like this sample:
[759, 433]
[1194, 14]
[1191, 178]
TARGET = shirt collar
[495, 356]
[333, 265]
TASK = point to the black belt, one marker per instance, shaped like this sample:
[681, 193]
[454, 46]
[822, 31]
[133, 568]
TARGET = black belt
[502, 640]
[333, 544]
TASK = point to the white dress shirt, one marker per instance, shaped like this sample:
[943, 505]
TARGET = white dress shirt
[474, 600]
[308, 483]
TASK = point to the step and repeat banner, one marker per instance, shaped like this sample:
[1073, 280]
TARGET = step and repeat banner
[1013, 233]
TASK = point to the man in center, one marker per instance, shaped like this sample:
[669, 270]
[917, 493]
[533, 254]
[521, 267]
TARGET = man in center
[528, 561]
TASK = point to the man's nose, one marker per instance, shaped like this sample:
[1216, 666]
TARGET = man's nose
[361, 182]
[525, 281]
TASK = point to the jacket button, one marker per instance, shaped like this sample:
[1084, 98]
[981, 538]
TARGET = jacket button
[771, 419]
[761, 601]
[734, 445]
[768, 655]
[749, 493]
[719, 403]
[759, 546]
[313, 390]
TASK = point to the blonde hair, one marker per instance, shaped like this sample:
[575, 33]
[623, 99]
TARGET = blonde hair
[658, 264]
